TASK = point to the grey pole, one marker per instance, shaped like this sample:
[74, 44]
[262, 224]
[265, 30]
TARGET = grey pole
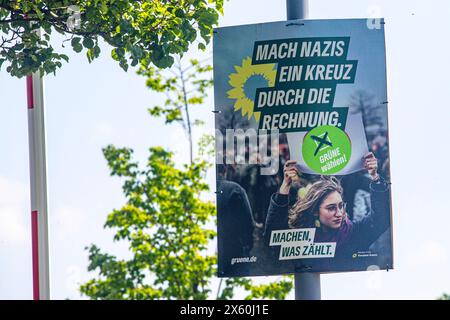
[297, 9]
[307, 285]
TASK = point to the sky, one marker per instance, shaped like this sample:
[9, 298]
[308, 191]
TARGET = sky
[89, 106]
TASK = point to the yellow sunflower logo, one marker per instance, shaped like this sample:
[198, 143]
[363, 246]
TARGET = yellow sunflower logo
[239, 79]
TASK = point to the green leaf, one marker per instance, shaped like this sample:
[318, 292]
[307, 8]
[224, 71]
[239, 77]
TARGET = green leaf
[90, 55]
[169, 26]
[97, 51]
[64, 57]
[78, 48]
[75, 41]
[201, 46]
[88, 43]
[180, 13]
[104, 8]
[124, 65]
[76, 45]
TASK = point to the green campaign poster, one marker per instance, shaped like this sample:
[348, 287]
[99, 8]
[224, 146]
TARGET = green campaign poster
[302, 148]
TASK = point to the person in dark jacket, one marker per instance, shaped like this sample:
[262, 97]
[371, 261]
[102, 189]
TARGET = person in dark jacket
[235, 225]
[323, 208]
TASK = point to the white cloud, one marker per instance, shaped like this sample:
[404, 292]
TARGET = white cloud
[103, 129]
[13, 199]
[67, 221]
[13, 230]
[179, 144]
[73, 278]
[429, 252]
[12, 192]
[374, 280]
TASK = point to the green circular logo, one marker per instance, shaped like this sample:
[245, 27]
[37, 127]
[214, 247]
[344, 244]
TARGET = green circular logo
[326, 149]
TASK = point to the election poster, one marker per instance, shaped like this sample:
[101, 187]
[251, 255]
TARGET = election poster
[302, 148]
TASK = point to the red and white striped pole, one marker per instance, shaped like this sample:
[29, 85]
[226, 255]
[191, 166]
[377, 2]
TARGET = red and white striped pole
[38, 187]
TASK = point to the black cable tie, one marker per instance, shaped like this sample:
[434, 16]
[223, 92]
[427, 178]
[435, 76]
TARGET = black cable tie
[295, 24]
[386, 102]
[387, 268]
[216, 111]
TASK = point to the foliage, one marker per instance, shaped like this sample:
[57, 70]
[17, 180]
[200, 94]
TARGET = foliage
[444, 297]
[165, 223]
[184, 87]
[140, 32]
